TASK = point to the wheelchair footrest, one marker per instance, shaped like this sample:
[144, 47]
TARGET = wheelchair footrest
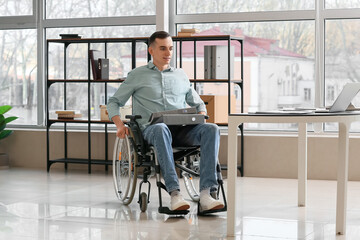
[166, 210]
[206, 212]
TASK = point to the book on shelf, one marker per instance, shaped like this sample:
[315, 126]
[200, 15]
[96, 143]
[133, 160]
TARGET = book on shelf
[93, 64]
[99, 67]
[189, 30]
[185, 34]
[65, 112]
[69, 36]
[103, 68]
[69, 116]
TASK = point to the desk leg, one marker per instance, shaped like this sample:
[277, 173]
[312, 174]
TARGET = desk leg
[302, 164]
[232, 171]
[342, 178]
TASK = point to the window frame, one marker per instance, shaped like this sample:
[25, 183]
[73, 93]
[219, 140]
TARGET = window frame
[37, 21]
[320, 15]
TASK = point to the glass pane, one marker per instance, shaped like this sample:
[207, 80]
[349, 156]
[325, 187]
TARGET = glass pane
[119, 55]
[18, 78]
[342, 59]
[94, 8]
[224, 6]
[278, 65]
[16, 7]
[342, 4]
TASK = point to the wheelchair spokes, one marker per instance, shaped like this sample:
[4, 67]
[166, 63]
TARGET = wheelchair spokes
[191, 181]
[124, 169]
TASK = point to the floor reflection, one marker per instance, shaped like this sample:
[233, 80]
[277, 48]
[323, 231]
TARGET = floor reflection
[76, 205]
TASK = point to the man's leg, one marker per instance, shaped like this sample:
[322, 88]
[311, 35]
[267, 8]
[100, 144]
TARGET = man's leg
[160, 137]
[207, 136]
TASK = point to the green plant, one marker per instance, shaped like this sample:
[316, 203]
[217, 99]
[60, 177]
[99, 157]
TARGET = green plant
[3, 121]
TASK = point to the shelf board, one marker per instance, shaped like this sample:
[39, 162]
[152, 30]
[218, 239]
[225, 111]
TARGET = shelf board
[81, 161]
[144, 39]
[215, 80]
[78, 121]
[98, 40]
[85, 80]
[121, 80]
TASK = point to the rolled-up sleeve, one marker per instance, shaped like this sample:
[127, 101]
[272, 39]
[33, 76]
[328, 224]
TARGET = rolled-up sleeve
[120, 97]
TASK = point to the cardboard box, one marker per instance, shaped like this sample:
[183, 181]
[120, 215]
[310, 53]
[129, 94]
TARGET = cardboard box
[104, 115]
[217, 107]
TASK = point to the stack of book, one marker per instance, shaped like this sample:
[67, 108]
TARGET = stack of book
[187, 32]
[67, 114]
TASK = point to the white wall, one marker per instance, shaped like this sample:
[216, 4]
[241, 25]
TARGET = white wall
[272, 156]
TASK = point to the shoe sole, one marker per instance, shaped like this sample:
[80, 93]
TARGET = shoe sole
[181, 208]
[217, 207]
[214, 208]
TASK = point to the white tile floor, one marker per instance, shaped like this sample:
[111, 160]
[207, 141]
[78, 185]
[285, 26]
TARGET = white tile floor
[76, 205]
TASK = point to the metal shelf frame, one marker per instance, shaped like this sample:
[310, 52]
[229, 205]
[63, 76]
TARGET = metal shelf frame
[66, 42]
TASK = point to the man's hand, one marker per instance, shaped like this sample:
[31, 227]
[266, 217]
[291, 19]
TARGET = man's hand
[203, 113]
[122, 130]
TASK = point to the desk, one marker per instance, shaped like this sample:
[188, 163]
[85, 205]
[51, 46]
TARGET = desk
[344, 120]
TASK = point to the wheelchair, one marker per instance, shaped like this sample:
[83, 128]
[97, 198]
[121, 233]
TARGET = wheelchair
[132, 153]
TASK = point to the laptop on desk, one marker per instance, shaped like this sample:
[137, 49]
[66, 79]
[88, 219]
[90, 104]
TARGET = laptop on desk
[341, 104]
[344, 99]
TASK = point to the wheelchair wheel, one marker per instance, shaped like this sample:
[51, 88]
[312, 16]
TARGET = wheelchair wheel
[192, 182]
[125, 168]
[143, 201]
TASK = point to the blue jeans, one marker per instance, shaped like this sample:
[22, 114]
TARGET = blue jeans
[206, 135]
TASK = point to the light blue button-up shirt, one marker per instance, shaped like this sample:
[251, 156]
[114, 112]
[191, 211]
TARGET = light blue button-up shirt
[154, 91]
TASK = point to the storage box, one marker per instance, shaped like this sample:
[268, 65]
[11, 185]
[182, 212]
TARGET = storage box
[216, 62]
[217, 107]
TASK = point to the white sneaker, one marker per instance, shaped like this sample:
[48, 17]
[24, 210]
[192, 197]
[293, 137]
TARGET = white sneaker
[178, 203]
[209, 203]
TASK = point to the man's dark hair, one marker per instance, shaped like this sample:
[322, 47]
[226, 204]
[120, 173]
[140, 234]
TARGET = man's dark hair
[158, 34]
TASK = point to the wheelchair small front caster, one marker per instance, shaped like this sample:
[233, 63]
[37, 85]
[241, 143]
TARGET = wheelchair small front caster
[143, 201]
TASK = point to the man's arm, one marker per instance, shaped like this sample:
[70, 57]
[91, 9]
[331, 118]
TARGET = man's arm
[119, 99]
[194, 100]
[122, 130]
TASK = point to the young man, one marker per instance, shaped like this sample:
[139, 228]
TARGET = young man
[158, 87]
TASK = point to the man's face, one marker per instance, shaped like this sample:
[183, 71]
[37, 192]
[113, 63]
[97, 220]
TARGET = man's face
[161, 51]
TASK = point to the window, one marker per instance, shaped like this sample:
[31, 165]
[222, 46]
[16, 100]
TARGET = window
[16, 8]
[227, 6]
[342, 56]
[18, 75]
[307, 94]
[330, 93]
[342, 4]
[93, 8]
[278, 62]
[19, 48]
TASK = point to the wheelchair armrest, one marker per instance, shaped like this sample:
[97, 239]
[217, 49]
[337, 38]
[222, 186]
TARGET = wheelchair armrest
[133, 117]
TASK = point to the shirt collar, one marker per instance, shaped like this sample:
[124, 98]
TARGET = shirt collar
[151, 65]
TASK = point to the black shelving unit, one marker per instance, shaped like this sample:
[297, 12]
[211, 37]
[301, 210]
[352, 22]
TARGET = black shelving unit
[133, 41]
